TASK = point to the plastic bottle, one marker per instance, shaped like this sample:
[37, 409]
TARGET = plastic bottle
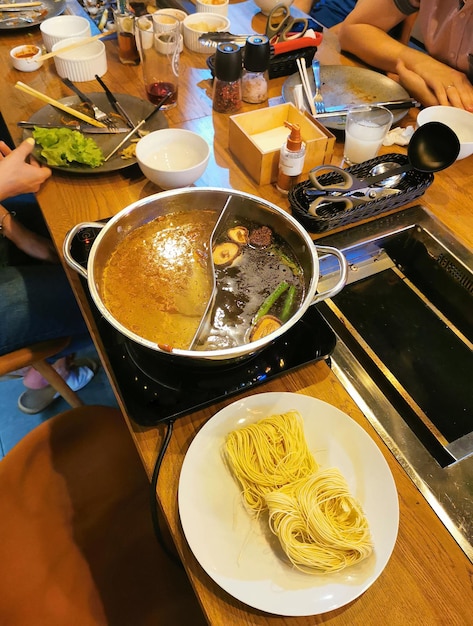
[291, 159]
[254, 80]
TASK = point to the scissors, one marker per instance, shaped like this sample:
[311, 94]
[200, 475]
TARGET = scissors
[345, 194]
[281, 26]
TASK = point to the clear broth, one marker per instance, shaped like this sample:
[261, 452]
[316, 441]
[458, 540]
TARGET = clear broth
[243, 286]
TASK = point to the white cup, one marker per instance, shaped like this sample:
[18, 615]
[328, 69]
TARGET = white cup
[62, 27]
[177, 13]
[366, 127]
[219, 7]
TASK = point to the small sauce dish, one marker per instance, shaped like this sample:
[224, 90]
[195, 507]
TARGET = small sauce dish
[26, 58]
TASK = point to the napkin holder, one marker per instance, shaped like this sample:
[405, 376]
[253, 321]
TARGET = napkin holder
[255, 139]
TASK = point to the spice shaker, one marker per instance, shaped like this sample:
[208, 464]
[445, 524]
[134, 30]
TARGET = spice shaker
[254, 80]
[227, 81]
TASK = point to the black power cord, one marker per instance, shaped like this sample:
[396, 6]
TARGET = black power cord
[153, 498]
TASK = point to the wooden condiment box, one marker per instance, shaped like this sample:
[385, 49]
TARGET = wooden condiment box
[255, 139]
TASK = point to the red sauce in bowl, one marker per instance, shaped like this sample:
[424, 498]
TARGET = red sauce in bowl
[27, 52]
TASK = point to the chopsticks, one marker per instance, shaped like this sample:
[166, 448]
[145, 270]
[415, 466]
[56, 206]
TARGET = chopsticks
[55, 103]
[136, 128]
[301, 66]
[72, 46]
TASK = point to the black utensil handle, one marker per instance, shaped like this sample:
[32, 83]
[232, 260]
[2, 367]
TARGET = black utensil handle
[108, 93]
[114, 102]
[81, 95]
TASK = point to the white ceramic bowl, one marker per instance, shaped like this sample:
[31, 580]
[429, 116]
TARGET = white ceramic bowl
[219, 7]
[82, 63]
[26, 58]
[177, 13]
[266, 6]
[61, 27]
[198, 23]
[459, 120]
[172, 157]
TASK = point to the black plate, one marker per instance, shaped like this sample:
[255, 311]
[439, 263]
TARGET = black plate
[137, 108]
[10, 20]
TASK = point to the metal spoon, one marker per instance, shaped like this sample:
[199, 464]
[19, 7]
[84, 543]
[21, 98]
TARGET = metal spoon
[383, 168]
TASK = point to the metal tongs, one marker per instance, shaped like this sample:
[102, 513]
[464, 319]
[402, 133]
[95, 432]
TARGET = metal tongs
[213, 39]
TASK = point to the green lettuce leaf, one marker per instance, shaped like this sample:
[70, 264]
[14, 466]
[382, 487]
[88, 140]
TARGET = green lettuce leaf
[63, 146]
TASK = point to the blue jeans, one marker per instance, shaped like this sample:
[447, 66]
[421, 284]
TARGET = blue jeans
[37, 304]
[36, 300]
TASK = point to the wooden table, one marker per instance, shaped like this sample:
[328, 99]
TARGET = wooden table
[428, 579]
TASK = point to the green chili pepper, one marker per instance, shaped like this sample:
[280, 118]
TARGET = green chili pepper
[292, 265]
[270, 300]
[288, 304]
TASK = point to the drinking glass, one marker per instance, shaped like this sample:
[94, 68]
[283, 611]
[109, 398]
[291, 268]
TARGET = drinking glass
[125, 28]
[158, 45]
[365, 129]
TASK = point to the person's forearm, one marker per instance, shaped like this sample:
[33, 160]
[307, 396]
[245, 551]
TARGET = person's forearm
[303, 5]
[371, 45]
[377, 48]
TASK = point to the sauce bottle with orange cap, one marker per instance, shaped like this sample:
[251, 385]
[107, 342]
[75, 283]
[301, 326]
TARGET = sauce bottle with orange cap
[291, 159]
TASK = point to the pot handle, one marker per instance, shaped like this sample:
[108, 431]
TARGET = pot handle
[343, 273]
[68, 241]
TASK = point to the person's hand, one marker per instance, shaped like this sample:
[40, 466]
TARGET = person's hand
[20, 172]
[29, 242]
[432, 83]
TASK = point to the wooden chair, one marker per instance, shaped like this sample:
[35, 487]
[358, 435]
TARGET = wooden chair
[77, 545]
[35, 356]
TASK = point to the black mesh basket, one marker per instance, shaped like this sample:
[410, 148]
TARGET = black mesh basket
[331, 216]
[283, 64]
[286, 64]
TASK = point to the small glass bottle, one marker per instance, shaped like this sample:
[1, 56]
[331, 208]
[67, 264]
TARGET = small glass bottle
[254, 80]
[291, 160]
[227, 82]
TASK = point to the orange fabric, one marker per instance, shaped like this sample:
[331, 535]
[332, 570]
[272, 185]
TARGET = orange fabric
[77, 545]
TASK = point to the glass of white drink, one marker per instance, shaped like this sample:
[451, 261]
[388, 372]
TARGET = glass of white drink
[365, 129]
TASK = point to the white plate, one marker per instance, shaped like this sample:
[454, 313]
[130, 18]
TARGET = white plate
[239, 552]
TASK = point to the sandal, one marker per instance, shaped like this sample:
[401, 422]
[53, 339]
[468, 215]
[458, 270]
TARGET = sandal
[34, 401]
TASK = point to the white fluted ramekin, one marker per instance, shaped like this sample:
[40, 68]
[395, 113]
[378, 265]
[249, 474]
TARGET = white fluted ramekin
[83, 63]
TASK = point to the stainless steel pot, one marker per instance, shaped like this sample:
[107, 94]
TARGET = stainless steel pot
[209, 198]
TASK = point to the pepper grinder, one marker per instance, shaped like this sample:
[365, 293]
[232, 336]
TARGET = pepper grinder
[254, 80]
[227, 81]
